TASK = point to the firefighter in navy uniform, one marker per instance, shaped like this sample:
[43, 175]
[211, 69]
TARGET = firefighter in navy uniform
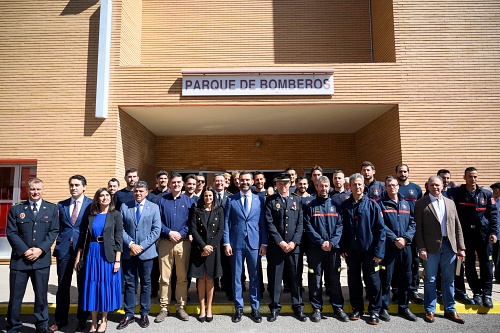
[323, 227]
[363, 247]
[373, 188]
[32, 228]
[399, 230]
[479, 220]
[284, 222]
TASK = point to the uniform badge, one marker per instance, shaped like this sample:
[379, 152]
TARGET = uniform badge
[483, 202]
[294, 206]
[411, 192]
[22, 215]
[404, 207]
[332, 209]
[375, 192]
[278, 205]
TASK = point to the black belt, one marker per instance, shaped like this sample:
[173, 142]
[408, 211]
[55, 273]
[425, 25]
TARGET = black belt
[99, 239]
[445, 238]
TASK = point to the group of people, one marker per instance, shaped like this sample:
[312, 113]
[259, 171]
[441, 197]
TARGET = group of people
[184, 229]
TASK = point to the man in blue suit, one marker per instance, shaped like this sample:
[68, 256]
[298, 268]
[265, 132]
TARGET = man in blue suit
[71, 213]
[141, 229]
[245, 237]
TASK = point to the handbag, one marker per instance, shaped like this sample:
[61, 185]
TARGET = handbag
[81, 262]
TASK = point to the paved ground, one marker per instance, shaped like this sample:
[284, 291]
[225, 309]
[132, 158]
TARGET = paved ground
[221, 304]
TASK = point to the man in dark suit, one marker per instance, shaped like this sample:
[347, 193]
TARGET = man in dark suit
[32, 227]
[439, 239]
[71, 213]
[284, 222]
[220, 199]
[245, 237]
[141, 229]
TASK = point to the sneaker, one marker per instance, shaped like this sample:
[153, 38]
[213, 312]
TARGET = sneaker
[478, 299]
[487, 303]
[316, 316]
[161, 316]
[182, 315]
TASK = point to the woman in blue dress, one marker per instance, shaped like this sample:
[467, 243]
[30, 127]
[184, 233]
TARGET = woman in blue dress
[101, 249]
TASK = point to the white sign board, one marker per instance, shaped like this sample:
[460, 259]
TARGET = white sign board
[263, 84]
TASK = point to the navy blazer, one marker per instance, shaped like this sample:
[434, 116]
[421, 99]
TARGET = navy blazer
[112, 233]
[236, 223]
[144, 232]
[25, 231]
[67, 230]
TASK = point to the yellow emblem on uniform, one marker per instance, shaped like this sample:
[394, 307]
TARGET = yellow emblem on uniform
[278, 206]
[22, 215]
[294, 206]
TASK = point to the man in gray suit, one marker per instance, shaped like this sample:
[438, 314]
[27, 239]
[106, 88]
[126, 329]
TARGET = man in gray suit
[439, 239]
[141, 229]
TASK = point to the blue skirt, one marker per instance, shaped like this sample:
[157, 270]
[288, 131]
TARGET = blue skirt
[102, 289]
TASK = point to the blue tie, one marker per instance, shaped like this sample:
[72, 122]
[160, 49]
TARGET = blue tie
[138, 212]
[245, 203]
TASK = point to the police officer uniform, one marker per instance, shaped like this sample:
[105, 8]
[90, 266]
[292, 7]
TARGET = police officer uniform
[27, 229]
[284, 222]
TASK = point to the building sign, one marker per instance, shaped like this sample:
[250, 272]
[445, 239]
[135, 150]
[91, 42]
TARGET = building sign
[261, 84]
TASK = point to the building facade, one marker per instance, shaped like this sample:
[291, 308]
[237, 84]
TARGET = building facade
[414, 81]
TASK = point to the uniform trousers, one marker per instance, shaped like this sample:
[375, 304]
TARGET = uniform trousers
[397, 265]
[327, 262]
[474, 243]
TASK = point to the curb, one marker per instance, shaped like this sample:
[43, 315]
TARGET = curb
[228, 308]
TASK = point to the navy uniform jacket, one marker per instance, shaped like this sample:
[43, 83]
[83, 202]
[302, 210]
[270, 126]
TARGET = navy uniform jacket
[364, 228]
[340, 197]
[478, 210]
[284, 222]
[398, 219]
[25, 231]
[375, 190]
[323, 222]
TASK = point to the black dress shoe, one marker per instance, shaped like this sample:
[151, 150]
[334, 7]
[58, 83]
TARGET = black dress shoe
[209, 319]
[237, 316]
[355, 315]
[316, 316]
[487, 303]
[373, 320]
[300, 316]
[340, 314]
[273, 316]
[407, 314]
[384, 315]
[144, 321]
[81, 326]
[415, 298]
[478, 299]
[255, 315]
[125, 321]
[463, 298]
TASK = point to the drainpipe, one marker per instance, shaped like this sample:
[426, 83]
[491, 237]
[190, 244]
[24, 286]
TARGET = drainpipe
[103, 60]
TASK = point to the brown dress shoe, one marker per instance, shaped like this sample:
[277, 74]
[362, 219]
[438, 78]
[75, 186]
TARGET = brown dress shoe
[429, 317]
[454, 316]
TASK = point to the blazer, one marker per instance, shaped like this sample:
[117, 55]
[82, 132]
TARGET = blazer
[24, 231]
[68, 231]
[237, 223]
[428, 233]
[144, 232]
[112, 234]
[284, 222]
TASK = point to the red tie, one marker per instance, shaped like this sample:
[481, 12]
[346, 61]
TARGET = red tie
[74, 215]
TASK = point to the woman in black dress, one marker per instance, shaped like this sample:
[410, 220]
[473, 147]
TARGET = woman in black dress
[207, 227]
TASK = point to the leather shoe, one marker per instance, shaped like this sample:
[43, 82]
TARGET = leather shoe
[237, 316]
[125, 321]
[300, 316]
[478, 299]
[454, 317]
[355, 315]
[144, 321]
[255, 315]
[407, 314]
[209, 319]
[43, 330]
[316, 316]
[273, 316]
[81, 326]
[341, 315]
[429, 317]
[487, 303]
[384, 315]
[373, 320]
[463, 298]
[415, 298]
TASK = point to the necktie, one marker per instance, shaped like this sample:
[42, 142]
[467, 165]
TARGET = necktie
[245, 203]
[35, 210]
[138, 212]
[220, 199]
[74, 214]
